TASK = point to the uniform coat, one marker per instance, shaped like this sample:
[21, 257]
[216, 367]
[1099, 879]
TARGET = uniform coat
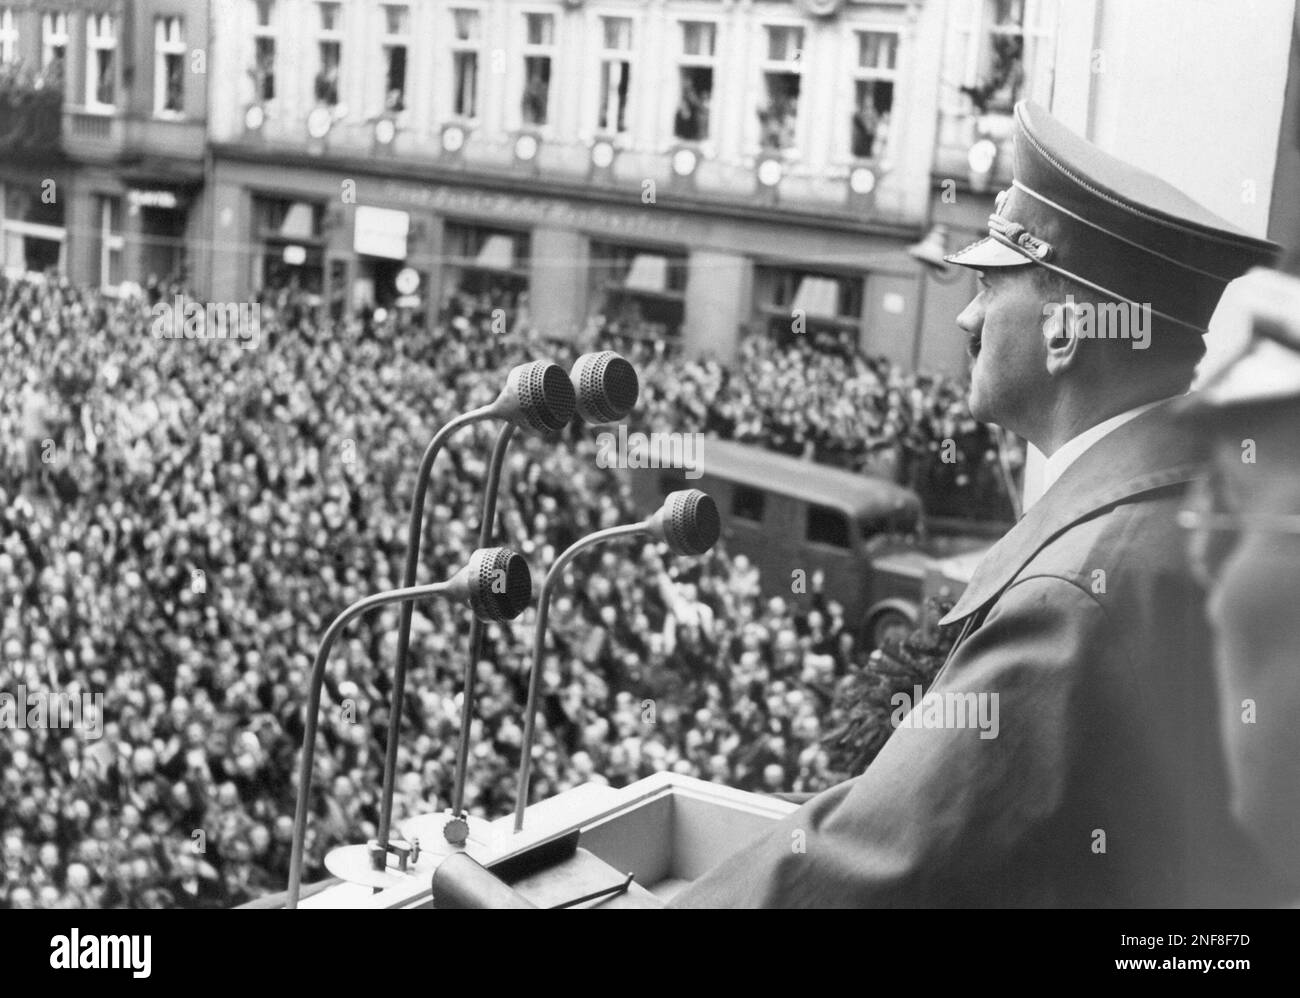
[1104, 785]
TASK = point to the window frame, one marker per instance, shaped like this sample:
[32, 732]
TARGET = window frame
[681, 60]
[165, 46]
[388, 41]
[328, 36]
[458, 46]
[737, 489]
[98, 41]
[533, 50]
[602, 56]
[860, 74]
[8, 35]
[763, 67]
[52, 38]
[811, 509]
[266, 32]
[110, 240]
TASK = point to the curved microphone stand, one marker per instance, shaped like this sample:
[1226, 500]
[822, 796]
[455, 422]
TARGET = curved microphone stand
[305, 767]
[539, 642]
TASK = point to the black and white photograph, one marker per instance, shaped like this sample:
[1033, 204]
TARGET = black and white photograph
[676, 454]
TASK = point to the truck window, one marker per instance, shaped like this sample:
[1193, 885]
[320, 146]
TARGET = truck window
[828, 526]
[747, 503]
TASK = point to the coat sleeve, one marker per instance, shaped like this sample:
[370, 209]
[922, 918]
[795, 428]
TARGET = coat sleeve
[954, 815]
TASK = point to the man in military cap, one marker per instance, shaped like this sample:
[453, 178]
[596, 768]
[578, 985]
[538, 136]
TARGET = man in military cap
[1103, 782]
[1244, 524]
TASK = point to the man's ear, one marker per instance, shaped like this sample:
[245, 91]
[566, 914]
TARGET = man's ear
[1062, 329]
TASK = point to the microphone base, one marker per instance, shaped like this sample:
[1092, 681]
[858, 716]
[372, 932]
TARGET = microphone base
[444, 833]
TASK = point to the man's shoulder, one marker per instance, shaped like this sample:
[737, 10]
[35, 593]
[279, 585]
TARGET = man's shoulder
[1135, 538]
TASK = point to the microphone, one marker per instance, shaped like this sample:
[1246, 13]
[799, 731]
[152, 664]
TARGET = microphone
[537, 398]
[495, 584]
[605, 386]
[688, 523]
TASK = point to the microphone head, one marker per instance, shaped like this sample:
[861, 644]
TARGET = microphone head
[688, 522]
[541, 396]
[606, 386]
[500, 586]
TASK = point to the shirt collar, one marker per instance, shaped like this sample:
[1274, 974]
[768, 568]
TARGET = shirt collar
[1069, 452]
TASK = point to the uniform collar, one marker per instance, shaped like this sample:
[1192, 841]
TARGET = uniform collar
[1069, 452]
[1150, 451]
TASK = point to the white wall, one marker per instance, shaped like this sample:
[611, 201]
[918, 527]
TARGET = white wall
[1191, 90]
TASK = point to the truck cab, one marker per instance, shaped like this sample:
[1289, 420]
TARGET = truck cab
[793, 518]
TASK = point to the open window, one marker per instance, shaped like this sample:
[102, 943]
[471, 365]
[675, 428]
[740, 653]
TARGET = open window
[827, 526]
[539, 56]
[873, 93]
[397, 27]
[695, 67]
[778, 113]
[641, 291]
[615, 74]
[823, 307]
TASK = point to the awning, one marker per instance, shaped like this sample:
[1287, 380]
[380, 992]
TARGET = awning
[498, 253]
[297, 222]
[647, 273]
[818, 296]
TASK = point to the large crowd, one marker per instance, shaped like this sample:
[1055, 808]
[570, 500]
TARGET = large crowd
[180, 520]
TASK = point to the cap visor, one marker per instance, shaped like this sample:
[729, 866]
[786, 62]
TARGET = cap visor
[988, 252]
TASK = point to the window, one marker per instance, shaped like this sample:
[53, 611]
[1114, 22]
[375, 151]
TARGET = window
[8, 35]
[54, 39]
[873, 93]
[539, 51]
[615, 73]
[778, 115]
[330, 48]
[695, 81]
[264, 50]
[101, 69]
[998, 52]
[824, 309]
[640, 290]
[107, 240]
[748, 503]
[397, 27]
[290, 234]
[487, 269]
[466, 35]
[168, 66]
[827, 526]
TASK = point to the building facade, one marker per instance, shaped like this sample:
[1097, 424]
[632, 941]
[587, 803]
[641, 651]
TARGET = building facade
[114, 192]
[681, 171]
[676, 170]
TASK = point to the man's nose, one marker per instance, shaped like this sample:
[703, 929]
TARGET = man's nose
[971, 319]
